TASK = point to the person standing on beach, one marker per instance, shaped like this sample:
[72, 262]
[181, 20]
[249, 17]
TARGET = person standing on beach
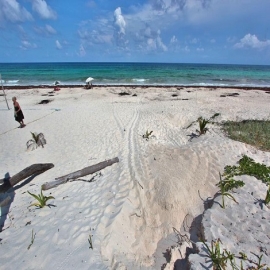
[18, 114]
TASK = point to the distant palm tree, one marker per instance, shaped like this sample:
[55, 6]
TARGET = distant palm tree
[36, 141]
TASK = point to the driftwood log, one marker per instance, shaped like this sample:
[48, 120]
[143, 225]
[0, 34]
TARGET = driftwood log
[34, 169]
[85, 171]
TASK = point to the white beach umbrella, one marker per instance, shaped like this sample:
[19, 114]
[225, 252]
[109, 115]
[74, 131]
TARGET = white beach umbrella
[88, 80]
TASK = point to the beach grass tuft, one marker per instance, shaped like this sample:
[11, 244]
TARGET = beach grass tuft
[42, 200]
[147, 134]
[253, 132]
[227, 185]
[220, 258]
[203, 122]
[267, 197]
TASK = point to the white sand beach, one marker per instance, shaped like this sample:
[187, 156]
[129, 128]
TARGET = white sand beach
[132, 208]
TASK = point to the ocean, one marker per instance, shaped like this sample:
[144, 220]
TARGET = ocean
[25, 74]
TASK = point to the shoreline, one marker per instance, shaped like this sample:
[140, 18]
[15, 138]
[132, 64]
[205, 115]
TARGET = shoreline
[23, 87]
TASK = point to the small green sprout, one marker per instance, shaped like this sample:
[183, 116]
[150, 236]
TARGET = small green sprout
[32, 239]
[90, 241]
[224, 192]
[267, 197]
[42, 200]
[147, 134]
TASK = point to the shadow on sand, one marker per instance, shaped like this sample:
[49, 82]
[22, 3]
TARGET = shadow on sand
[6, 198]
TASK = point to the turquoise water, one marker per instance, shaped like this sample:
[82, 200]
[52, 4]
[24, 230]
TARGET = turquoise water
[134, 74]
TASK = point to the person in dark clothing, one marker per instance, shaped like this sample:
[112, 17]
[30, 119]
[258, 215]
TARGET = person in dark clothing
[18, 114]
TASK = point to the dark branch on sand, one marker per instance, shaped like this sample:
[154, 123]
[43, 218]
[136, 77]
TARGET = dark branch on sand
[74, 175]
[34, 169]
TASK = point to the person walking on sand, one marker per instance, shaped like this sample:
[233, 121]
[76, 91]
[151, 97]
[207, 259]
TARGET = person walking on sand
[18, 114]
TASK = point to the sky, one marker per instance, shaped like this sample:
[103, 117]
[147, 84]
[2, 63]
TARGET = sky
[171, 31]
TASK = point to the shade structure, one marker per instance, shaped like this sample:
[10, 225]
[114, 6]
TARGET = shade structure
[88, 80]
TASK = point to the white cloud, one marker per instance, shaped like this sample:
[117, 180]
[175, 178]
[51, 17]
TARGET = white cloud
[173, 40]
[252, 41]
[81, 51]
[154, 41]
[91, 4]
[46, 30]
[138, 28]
[119, 20]
[151, 44]
[44, 11]
[95, 37]
[161, 45]
[186, 49]
[27, 45]
[50, 29]
[96, 32]
[58, 45]
[231, 39]
[200, 49]
[12, 11]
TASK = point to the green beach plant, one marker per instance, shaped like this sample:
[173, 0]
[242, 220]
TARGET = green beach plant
[267, 197]
[90, 241]
[216, 255]
[220, 258]
[36, 141]
[147, 134]
[253, 132]
[225, 186]
[229, 184]
[247, 166]
[32, 239]
[203, 123]
[42, 200]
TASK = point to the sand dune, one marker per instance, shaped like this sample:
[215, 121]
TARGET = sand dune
[132, 207]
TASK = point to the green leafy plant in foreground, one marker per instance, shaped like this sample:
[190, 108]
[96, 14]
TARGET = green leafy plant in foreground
[215, 254]
[36, 141]
[247, 166]
[147, 134]
[203, 123]
[228, 184]
[42, 200]
[220, 258]
[225, 186]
